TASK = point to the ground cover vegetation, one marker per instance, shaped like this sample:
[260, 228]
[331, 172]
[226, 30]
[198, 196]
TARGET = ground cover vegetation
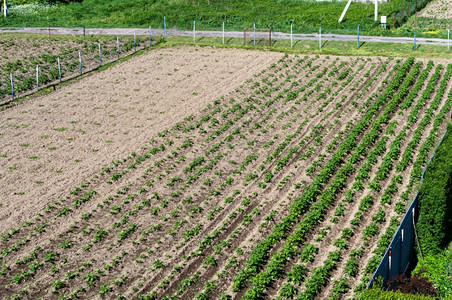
[21, 56]
[298, 176]
[306, 16]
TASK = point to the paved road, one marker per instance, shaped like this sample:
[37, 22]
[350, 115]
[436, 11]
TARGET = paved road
[228, 34]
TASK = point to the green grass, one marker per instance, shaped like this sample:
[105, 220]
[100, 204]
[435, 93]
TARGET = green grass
[328, 47]
[209, 14]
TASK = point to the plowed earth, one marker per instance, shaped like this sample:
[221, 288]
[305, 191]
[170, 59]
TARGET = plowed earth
[170, 176]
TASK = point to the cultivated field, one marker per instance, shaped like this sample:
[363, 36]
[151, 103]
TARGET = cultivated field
[21, 55]
[212, 173]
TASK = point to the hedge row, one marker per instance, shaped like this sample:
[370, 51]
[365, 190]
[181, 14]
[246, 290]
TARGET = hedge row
[435, 200]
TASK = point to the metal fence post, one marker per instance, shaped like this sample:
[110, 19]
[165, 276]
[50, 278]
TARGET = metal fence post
[80, 62]
[12, 86]
[223, 33]
[150, 37]
[100, 56]
[291, 38]
[37, 78]
[448, 39]
[117, 46]
[194, 31]
[414, 41]
[59, 69]
[320, 37]
[135, 40]
[357, 43]
[254, 29]
[164, 26]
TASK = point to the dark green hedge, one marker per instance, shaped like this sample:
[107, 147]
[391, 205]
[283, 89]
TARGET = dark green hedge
[435, 200]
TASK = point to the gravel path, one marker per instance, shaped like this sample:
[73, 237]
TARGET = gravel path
[229, 34]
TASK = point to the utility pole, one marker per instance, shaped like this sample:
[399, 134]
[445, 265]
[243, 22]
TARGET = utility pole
[376, 10]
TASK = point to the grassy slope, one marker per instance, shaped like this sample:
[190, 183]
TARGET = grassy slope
[209, 14]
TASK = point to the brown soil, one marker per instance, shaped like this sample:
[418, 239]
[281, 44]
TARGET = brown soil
[160, 220]
[53, 143]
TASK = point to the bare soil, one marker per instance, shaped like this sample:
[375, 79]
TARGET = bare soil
[162, 174]
[53, 143]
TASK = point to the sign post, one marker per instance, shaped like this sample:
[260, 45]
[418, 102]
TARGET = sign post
[383, 21]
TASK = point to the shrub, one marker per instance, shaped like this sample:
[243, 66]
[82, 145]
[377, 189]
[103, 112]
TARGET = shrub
[413, 285]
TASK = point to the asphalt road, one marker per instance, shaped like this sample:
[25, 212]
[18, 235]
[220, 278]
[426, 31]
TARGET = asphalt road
[227, 34]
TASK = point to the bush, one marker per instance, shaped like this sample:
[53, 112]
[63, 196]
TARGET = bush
[435, 200]
[413, 285]
[376, 294]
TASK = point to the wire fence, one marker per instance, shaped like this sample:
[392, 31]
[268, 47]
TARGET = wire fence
[54, 69]
[407, 10]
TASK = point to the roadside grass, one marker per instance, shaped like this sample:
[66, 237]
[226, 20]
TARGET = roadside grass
[328, 47]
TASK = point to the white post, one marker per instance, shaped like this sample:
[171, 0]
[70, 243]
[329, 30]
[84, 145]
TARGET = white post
[12, 85]
[194, 31]
[5, 9]
[37, 78]
[320, 37]
[223, 33]
[254, 28]
[291, 39]
[390, 259]
[59, 69]
[376, 10]
[150, 37]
